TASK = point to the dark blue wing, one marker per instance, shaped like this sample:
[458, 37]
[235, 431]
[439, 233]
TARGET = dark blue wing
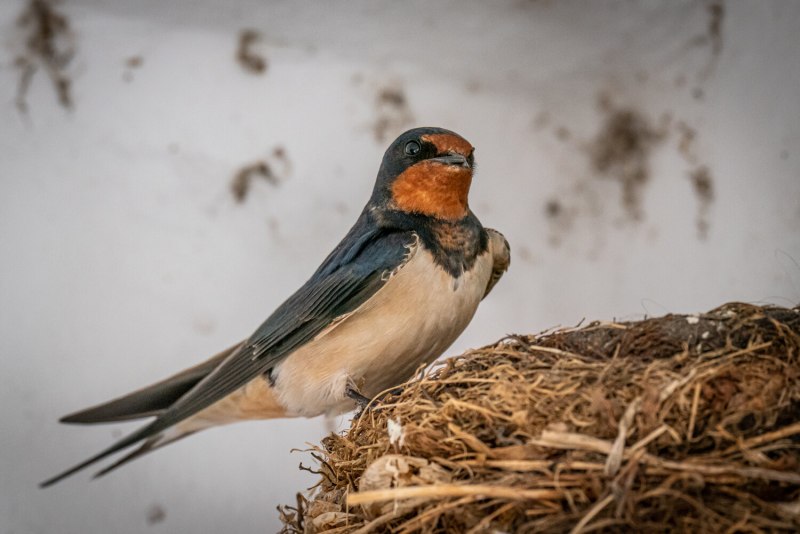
[348, 277]
[352, 274]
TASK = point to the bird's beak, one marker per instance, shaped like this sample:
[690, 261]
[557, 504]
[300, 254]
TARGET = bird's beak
[451, 158]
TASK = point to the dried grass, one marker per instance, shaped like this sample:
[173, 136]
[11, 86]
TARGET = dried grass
[679, 423]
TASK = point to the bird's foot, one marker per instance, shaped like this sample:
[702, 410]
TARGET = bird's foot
[395, 392]
[362, 401]
[365, 403]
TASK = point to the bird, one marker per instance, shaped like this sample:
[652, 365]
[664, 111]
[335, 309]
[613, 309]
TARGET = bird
[394, 294]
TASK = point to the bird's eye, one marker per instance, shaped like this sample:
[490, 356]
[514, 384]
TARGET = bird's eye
[412, 148]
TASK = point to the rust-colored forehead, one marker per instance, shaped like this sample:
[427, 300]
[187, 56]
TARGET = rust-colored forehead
[449, 143]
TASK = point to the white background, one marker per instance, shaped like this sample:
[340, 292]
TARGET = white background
[125, 257]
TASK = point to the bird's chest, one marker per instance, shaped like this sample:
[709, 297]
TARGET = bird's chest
[411, 320]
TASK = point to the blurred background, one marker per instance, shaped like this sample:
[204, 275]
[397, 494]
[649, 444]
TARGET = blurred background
[170, 172]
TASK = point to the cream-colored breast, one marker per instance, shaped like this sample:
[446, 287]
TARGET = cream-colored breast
[412, 319]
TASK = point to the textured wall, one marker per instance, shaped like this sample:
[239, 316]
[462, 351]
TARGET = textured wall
[641, 157]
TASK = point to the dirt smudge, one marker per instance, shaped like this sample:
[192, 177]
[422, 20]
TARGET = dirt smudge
[392, 112]
[621, 151]
[703, 186]
[563, 133]
[155, 514]
[716, 16]
[699, 175]
[712, 37]
[273, 169]
[131, 64]
[250, 60]
[240, 185]
[50, 45]
[686, 139]
[560, 219]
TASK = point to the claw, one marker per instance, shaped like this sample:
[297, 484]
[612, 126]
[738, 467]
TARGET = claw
[353, 393]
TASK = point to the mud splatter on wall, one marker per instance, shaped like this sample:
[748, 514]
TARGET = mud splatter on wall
[273, 170]
[621, 151]
[49, 44]
[250, 60]
[392, 112]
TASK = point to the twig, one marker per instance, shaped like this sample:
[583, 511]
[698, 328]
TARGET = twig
[693, 414]
[593, 511]
[441, 491]
[618, 448]
[570, 440]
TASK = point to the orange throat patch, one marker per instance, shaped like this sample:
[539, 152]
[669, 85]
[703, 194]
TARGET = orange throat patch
[434, 189]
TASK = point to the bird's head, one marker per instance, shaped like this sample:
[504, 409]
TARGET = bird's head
[426, 171]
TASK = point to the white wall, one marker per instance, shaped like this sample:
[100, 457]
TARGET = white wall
[125, 257]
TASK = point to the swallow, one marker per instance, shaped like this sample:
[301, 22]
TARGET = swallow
[400, 287]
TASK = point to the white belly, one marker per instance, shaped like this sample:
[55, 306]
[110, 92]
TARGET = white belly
[411, 320]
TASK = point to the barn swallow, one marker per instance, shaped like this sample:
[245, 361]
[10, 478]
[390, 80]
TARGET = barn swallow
[395, 293]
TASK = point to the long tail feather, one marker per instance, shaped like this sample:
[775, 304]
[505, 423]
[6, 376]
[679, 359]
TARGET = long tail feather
[135, 405]
[152, 444]
[151, 400]
[124, 443]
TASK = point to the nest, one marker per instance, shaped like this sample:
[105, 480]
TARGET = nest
[679, 423]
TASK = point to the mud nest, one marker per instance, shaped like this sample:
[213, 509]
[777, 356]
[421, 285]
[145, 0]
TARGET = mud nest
[679, 423]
